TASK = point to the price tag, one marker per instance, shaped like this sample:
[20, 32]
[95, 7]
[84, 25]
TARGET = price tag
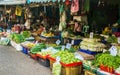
[58, 58]
[58, 42]
[36, 42]
[113, 51]
[118, 39]
[68, 45]
[63, 47]
[72, 42]
[91, 35]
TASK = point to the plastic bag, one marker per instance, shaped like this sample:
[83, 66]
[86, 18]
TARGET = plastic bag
[57, 67]
[4, 41]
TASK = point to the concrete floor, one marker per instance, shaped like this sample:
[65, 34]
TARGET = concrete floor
[13, 62]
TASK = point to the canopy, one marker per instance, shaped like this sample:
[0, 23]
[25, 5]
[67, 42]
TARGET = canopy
[29, 1]
[12, 2]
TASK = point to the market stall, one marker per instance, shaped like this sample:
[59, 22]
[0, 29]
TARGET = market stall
[69, 45]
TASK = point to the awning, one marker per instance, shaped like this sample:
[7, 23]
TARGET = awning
[36, 1]
[12, 2]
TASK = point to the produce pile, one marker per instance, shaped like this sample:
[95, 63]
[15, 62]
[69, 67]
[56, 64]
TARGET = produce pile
[37, 48]
[50, 34]
[112, 39]
[66, 57]
[92, 45]
[107, 60]
[18, 38]
[26, 34]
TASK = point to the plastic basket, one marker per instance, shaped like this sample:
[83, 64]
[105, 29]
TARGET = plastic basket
[41, 56]
[71, 64]
[67, 65]
[106, 69]
[33, 56]
[89, 52]
[117, 73]
[99, 72]
[25, 50]
[44, 62]
[51, 63]
[76, 70]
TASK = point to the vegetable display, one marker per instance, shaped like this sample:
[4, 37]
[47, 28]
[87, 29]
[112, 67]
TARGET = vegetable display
[92, 45]
[37, 48]
[26, 34]
[107, 60]
[66, 57]
[112, 39]
[18, 38]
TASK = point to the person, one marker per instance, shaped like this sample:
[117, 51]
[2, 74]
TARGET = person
[40, 29]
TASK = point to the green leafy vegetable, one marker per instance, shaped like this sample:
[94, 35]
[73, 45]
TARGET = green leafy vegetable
[37, 48]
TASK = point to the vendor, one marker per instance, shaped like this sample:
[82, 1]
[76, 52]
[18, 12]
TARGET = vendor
[107, 30]
[40, 29]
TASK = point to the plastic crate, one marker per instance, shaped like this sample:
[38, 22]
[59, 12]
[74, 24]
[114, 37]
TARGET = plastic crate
[33, 56]
[51, 63]
[67, 65]
[43, 57]
[24, 50]
[76, 41]
[99, 72]
[44, 62]
[106, 69]
[76, 70]
[71, 64]
[89, 52]
[117, 73]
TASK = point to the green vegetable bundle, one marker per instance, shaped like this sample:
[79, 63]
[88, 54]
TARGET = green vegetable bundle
[107, 60]
[112, 39]
[26, 34]
[37, 48]
[18, 38]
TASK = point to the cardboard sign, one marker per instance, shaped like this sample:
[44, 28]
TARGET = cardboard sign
[68, 45]
[113, 51]
[58, 42]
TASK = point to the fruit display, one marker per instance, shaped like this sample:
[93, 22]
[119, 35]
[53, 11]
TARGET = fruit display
[18, 38]
[92, 45]
[107, 60]
[37, 48]
[66, 57]
[26, 34]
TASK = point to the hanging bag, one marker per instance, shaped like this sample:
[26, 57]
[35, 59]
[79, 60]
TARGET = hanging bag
[75, 6]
